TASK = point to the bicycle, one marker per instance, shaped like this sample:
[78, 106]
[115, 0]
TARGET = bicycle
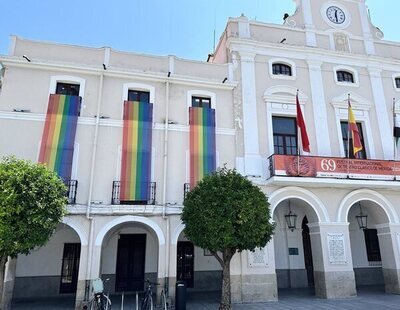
[147, 301]
[100, 300]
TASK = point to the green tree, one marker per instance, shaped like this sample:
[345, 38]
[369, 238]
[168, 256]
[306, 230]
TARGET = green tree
[226, 213]
[32, 203]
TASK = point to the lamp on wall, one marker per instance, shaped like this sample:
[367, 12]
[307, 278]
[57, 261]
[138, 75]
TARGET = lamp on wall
[291, 219]
[361, 218]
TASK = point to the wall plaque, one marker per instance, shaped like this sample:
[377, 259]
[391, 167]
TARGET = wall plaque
[336, 249]
[258, 258]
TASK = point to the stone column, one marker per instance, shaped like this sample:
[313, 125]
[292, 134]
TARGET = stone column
[252, 158]
[81, 286]
[253, 277]
[9, 280]
[389, 244]
[333, 265]
[319, 109]
[172, 269]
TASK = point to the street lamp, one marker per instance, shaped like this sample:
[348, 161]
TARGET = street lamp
[361, 218]
[291, 219]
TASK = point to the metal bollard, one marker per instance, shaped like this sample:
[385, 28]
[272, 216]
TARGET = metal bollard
[180, 295]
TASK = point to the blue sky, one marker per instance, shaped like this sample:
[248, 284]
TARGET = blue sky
[184, 28]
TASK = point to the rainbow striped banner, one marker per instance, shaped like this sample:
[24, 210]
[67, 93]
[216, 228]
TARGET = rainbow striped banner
[136, 151]
[202, 143]
[57, 147]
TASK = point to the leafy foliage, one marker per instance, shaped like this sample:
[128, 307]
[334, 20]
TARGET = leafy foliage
[226, 211]
[32, 203]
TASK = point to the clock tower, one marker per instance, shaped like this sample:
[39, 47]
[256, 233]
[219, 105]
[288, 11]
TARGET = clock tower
[343, 20]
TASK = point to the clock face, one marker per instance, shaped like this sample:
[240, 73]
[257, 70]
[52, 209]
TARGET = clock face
[335, 15]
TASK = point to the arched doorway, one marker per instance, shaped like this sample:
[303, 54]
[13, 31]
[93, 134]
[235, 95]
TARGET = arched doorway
[293, 245]
[198, 267]
[129, 256]
[366, 246]
[52, 270]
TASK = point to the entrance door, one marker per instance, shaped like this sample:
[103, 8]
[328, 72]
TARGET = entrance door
[307, 252]
[185, 260]
[130, 263]
[70, 267]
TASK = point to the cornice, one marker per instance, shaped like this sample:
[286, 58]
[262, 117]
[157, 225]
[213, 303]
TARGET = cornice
[304, 53]
[115, 72]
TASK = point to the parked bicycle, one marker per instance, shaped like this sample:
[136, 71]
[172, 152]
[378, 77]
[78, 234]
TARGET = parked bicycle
[100, 300]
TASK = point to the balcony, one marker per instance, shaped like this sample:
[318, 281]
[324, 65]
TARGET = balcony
[72, 186]
[334, 168]
[115, 197]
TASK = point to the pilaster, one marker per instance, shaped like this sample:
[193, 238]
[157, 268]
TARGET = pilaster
[252, 158]
[319, 109]
[385, 130]
[311, 39]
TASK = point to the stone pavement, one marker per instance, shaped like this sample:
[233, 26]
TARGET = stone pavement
[371, 298]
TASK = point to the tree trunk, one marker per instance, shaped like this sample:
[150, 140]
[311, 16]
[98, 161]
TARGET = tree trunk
[226, 281]
[3, 261]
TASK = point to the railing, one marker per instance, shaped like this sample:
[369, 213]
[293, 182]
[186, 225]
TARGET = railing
[116, 200]
[72, 186]
[333, 167]
[186, 189]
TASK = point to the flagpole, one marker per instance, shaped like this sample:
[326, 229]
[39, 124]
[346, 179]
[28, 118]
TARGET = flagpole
[298, 138]
[348, 134]
[394, 126]
[394, 139]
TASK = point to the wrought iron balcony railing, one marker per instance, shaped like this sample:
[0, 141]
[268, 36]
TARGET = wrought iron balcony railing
[333, 167]
[186, 189]
[116, 199]
[72, 186]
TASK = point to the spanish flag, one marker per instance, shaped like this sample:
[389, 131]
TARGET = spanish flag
[353, 129]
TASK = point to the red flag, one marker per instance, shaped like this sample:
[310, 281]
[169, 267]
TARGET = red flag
[302, 126]
[353, 129]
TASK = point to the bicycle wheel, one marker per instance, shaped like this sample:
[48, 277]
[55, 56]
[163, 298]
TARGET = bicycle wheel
[145, 303]
[164, 304]
[106, 303]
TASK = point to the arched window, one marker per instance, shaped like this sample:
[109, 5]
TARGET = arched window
[281, 69]
[344, 76]
[397, 82]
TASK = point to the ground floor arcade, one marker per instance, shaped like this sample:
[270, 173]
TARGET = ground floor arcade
[324, 250]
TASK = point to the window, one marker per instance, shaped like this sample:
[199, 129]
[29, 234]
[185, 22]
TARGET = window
[281, 69]
[372, 245]
[67, 89]
[201, 102]
[141, 96]
[397, 82]
[346, 143]
[285, 135]
[344, 76]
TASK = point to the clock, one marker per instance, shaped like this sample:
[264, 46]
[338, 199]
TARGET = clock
[335, 15]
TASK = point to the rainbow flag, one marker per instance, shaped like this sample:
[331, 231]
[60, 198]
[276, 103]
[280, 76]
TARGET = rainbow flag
[57, 147]
[136, 151]
[202, 143]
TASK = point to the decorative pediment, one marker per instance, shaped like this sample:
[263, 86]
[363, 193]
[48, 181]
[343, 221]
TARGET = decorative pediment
[284, 94]
[357, 102]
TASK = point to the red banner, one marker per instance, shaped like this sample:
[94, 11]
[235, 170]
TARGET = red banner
[329, 167]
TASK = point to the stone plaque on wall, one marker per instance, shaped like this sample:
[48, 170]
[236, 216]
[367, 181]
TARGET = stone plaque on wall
[336, 249]
[258, 258]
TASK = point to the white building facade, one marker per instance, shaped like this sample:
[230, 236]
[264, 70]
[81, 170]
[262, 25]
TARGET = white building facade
[328, 50]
